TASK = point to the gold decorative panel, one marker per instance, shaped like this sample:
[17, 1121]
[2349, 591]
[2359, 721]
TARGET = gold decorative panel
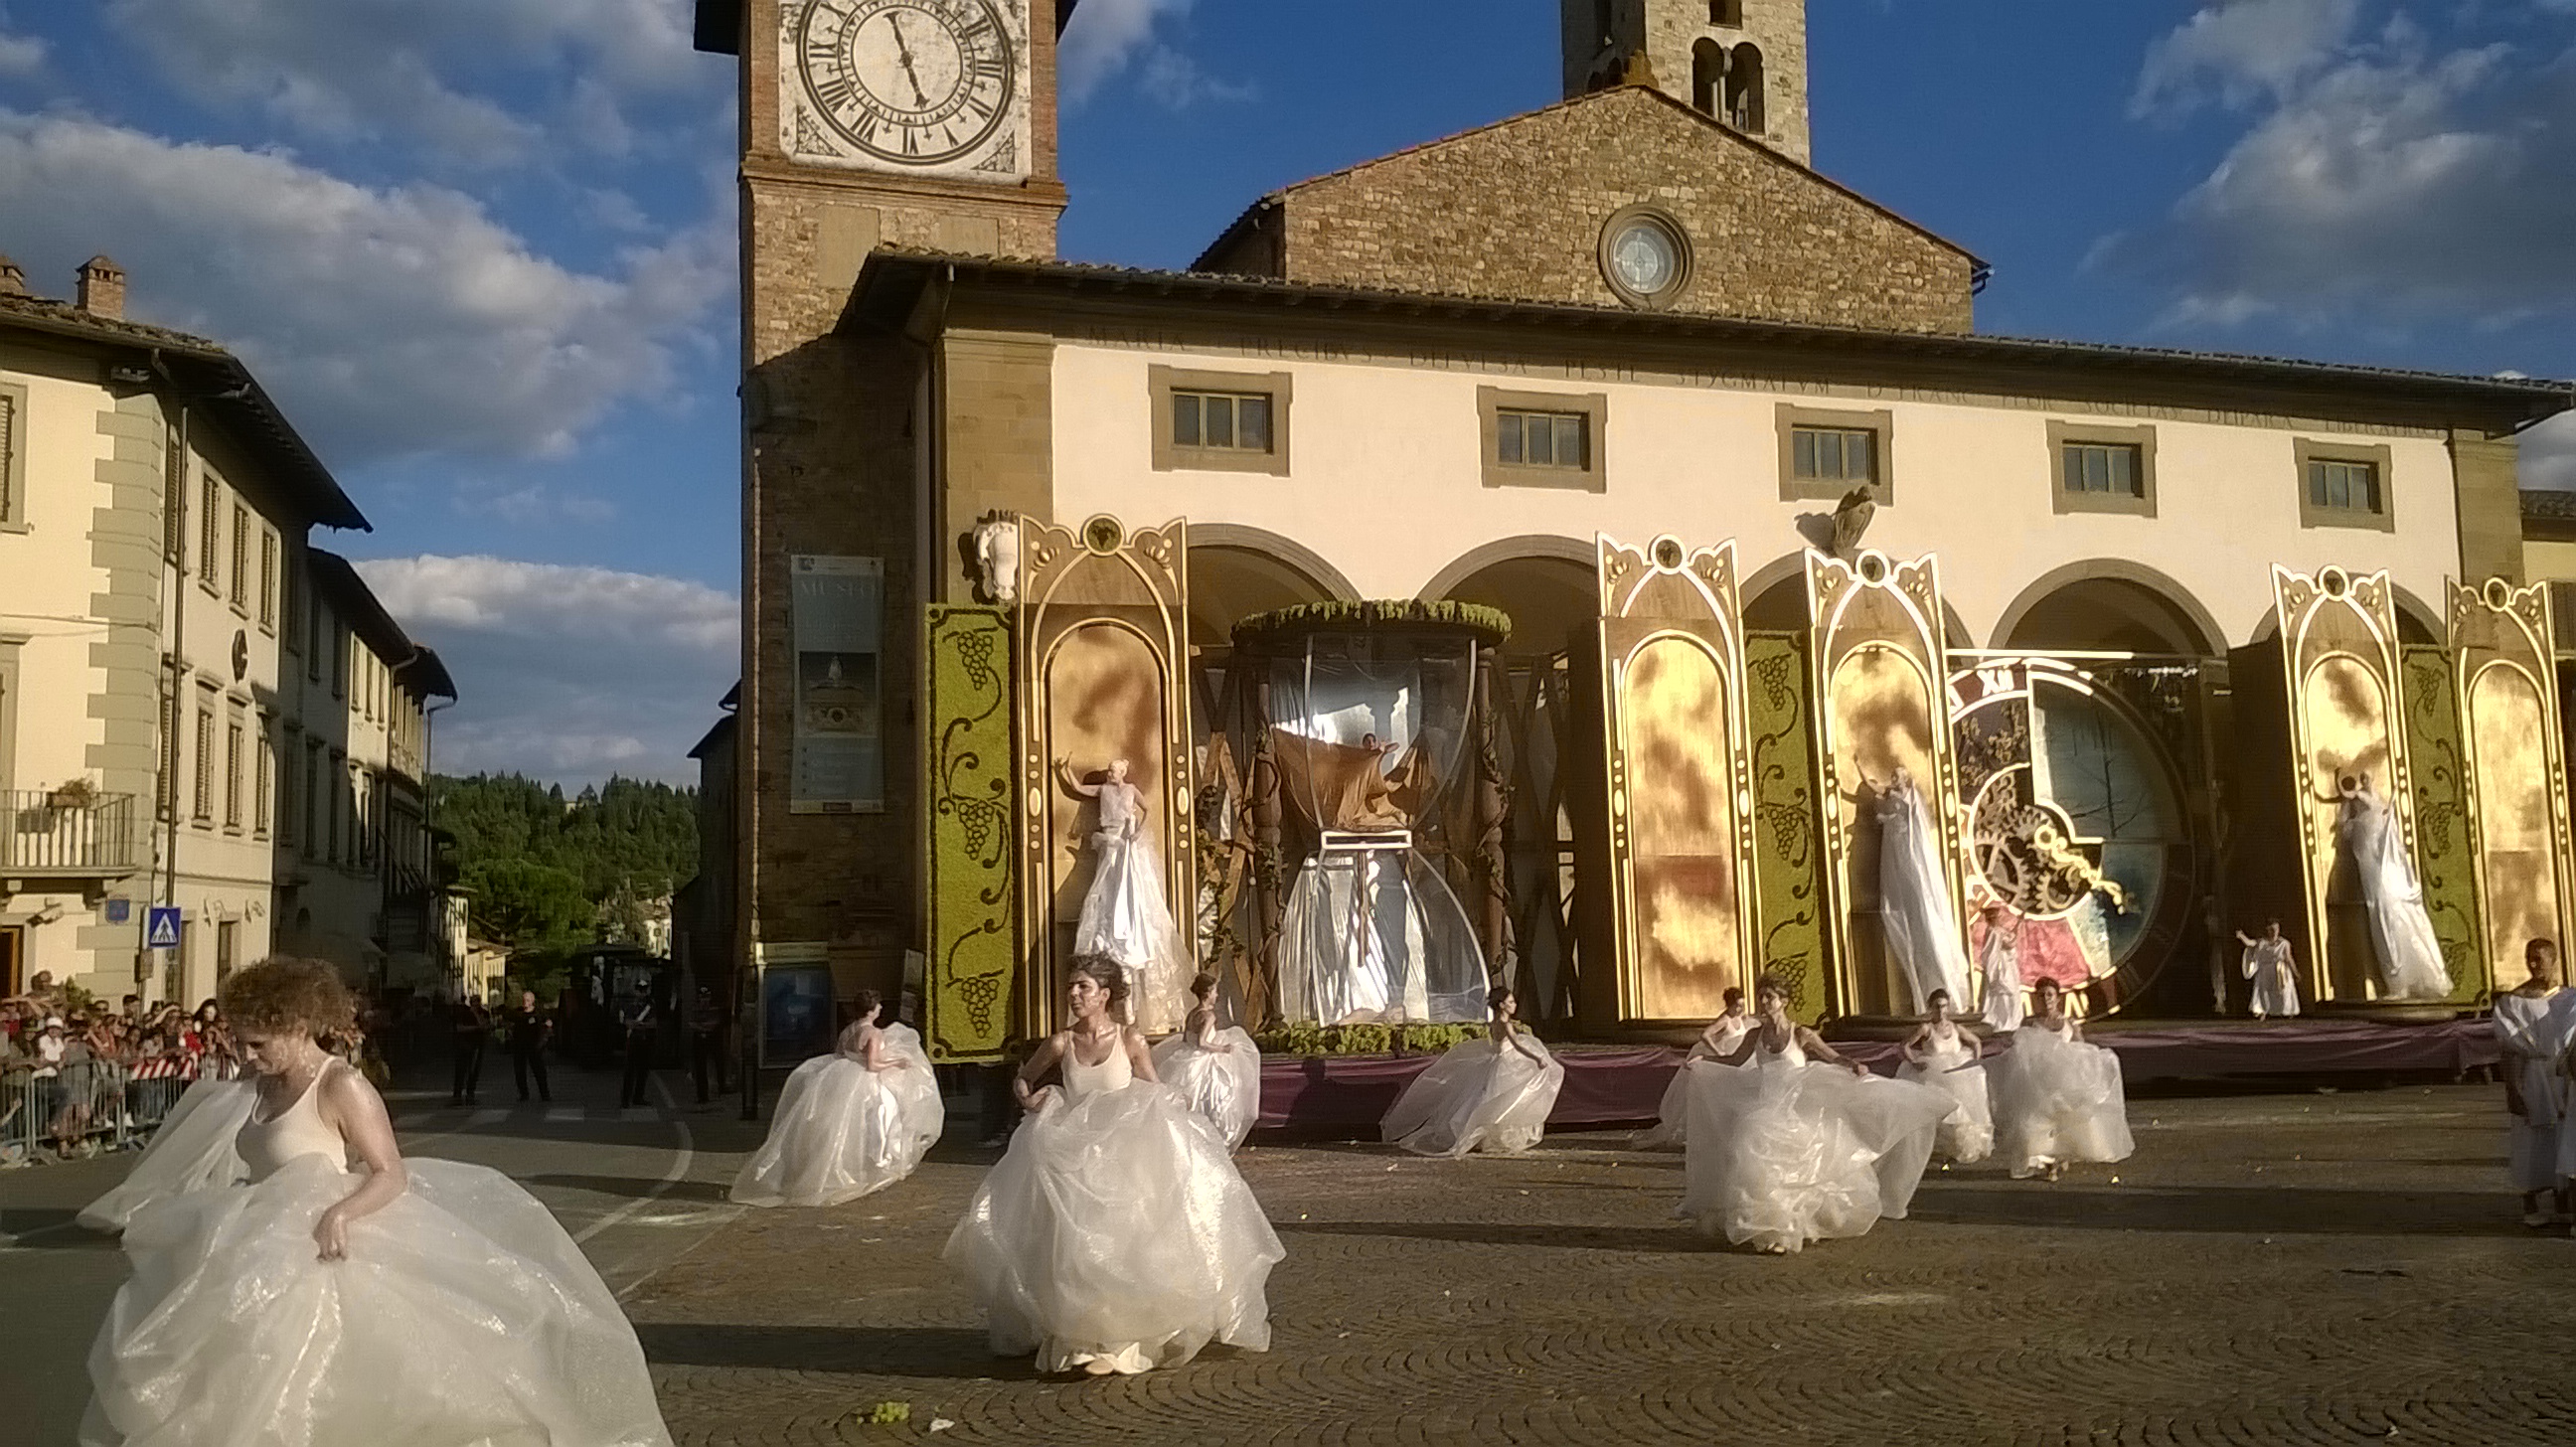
[2509, 725]
[1680, 786]
[1103, 666]
[1881, 676]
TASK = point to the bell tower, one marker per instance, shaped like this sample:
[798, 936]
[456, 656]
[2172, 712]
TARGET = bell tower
[1742, 61]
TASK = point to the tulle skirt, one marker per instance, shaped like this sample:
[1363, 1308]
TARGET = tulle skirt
[1115, 1229]
[2058, 1101]
[1671, 1129]
[1222, 1085]
[1125, 918]
[1968, 1132]
[1480, 1095]
[843, 1130]
[1780, 1154]
[463, 1316]
[192, 1151]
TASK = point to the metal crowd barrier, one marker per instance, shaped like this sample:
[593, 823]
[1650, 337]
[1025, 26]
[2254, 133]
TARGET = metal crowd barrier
[80, 1109]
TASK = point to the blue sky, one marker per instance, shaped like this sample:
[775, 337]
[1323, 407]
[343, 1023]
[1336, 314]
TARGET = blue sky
[483, 249]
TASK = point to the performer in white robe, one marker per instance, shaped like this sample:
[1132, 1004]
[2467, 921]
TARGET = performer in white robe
[1218, 1072]
[1491, 1095]
[1115, 1234]
[2401, 932]
[1998, 957]
[192, 1151]
[1125, 916]
[1921, 925]
[2057, 1100]
[317, 1304]
[1944, 1055]
[1804, 1145]
[1672, 1117]
[2533, 1026]
[2269, 965]
[849, 1123]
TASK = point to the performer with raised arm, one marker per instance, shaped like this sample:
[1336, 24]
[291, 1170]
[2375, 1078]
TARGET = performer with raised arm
[2269, 965]
[1721, 1037]
[1125, 916]
[849, 1123]
[1943, 1054]
[2401, 932]
[1921, 924]
[1491, 1095]
[2058, 1100]
[1217, 1071]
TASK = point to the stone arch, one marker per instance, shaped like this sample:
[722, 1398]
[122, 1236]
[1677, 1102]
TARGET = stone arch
[1549, 584]
[2418, 621]
[1237, 571]
[1708, 75]
[2111, 604]
[1744, 108]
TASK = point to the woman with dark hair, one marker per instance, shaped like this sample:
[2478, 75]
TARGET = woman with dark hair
[1804, 1146]
[1217, 1071]
[848, 1123]
[1943, 1054]
[343, 1294]
[1114, 1235]
[1672, 1118]
[2057, 1100]
[1491, 1095]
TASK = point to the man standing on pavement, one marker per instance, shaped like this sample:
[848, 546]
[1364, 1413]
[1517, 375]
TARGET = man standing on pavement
[469, 1027]
[707, 1044]
[641, 1023]
[530, 1028]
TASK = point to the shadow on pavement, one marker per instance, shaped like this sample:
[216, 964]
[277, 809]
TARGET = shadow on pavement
[1673, 1240]
[953, 1352]
[2232, 1210]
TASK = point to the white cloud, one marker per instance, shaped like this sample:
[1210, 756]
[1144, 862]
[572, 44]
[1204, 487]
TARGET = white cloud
[2549, 454]
[1106, 36]
[2242, 48]
[567, 673]
[389, 321]
[20, 54]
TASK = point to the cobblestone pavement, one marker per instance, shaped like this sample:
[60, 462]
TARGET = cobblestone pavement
[2304, 1268]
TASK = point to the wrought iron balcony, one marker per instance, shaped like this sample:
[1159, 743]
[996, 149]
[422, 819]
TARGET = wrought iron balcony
[64, 836]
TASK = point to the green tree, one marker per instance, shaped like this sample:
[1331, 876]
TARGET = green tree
[533, 908]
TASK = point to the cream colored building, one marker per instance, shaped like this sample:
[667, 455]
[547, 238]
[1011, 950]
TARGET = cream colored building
[155, 646]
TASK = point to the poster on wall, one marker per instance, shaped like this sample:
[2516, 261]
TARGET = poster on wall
[837, 613]
[795, 1014]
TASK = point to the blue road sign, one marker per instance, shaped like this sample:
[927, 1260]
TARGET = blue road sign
[161, 927]
[120, 910]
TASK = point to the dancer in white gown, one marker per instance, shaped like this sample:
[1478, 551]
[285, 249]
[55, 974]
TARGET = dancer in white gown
[316, 1305]
[2269, 965]
[1672, 1118]
[1218, 1072]
[1999, 959]
[1805, 1145]
[2533, 1026]
[1115, 1234]
[2401, 932]
[848, 1123]
[1125, 916]
[2057, 1100]
[1921, 925]
[192, 1151]
[1944, 1055]
[1491, 1095]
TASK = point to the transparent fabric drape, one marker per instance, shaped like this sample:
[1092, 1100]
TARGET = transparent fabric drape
[1921, 924]
[2057, 1101]
[1222, 1085]
[842, 1131]
[192, 1151]
[1374, 934]
[1967, 1133]
[2401, 932]
[1785, 1151]
[1480, 1095]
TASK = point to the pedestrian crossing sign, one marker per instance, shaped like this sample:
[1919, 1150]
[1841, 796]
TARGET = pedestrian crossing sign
[161, 927]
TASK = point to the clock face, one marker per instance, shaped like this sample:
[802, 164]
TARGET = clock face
[931, 85]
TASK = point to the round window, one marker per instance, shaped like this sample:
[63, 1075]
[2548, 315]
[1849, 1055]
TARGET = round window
[1644, 257]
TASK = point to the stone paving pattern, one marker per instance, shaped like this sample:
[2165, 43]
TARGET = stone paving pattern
[2282, 1268]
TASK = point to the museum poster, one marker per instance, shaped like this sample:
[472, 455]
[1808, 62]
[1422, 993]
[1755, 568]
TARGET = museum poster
[795, 1014]
[837, 615]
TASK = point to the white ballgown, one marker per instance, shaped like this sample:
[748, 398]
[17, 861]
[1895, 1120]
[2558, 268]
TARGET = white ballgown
[2276, 989]
[1921, 924]
[1126, 918]
[1222, 1085]
[1788, 1151]
[2401, 932]
[1968, 1132]
[1672, 1118]
[842, 1130]
[2001, 1007]
[462, 1315]
[1480, 1095]
[2058, 1101]
[1115, 1229]
[191, 1151]
[2534, 1029]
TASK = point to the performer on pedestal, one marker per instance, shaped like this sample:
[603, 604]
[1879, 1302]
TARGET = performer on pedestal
[321, 1302]
[1998, 957]
[1218, 1072]
[1491, 1095]
[1115, 1234]
[2401, 932]
[2058, 1100]
[1921, 924]
[1672, 1117]
[1944, 1055]
[849, 1123]
[2534, 1025]
[1125, 917]
[2275, 974]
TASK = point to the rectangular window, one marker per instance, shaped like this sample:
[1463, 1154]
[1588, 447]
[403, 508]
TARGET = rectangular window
[233, 751]
[241, 558]
[310, 828]
[13, 456]
[227, 950]
[1843, 456]
[1825, 453]
[1238, 421]
[313, 644]
[341, 642]
[2339, 484]
[2344, 485]
[205, 796]
[1542, 439]
[268, 580]
[290, 774]
[1219, 421]
[174, 496]
[2102, 469]
[166, 795]
[263, 783]
[210, 501]
[339, 806]
[2099, 467]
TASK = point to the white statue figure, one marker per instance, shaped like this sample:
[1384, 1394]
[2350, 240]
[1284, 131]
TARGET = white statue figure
[1125, 916]
[2269, 965]
[1999, 956]
[2401, 933]
[1921, 924]
[997, 557]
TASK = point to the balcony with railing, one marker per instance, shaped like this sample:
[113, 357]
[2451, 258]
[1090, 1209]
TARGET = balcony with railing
[62, 835]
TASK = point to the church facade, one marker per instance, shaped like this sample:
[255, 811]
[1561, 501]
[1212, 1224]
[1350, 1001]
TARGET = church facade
[1405, 381]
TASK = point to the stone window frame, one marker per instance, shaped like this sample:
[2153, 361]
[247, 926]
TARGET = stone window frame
[1685, 256]
[2062, 502]
[2304, 450]
[1789, 417]
[1162, 381]
[14, 448]
[1593, 407]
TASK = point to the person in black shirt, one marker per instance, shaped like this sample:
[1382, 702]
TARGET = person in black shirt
[641, 1022]
[469, 1026]
[706, 1043]
[529, 1028]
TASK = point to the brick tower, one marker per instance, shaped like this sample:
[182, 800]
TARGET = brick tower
[1742, 61]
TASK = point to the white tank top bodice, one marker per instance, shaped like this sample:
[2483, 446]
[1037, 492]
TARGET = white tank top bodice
[1082, 1080]
[1790, 1054]
[267, 1146]
[1945, 1041]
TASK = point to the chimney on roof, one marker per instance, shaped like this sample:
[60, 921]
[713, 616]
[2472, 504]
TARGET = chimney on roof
[102, 288]
[13, 278]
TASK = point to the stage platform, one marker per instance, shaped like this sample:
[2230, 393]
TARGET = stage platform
[1611, 1085]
